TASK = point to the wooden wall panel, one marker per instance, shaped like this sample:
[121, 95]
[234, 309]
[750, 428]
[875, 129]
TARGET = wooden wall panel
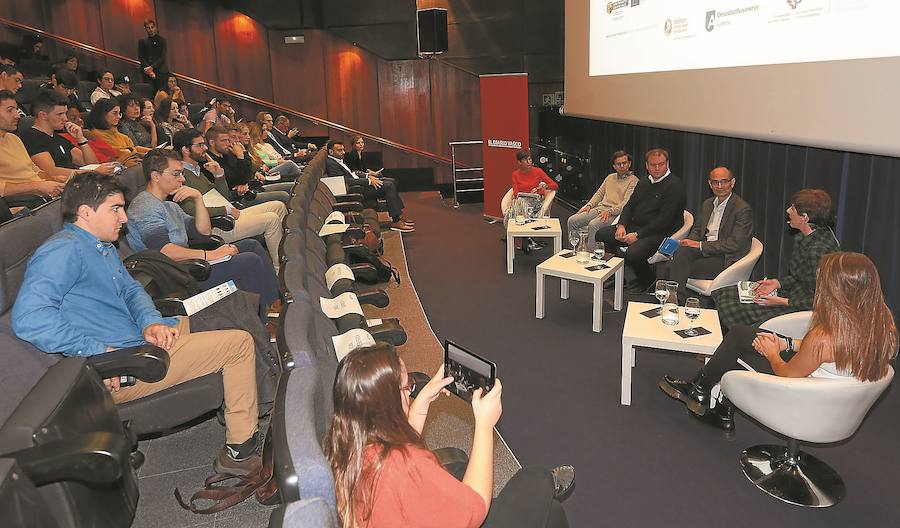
[122, 23]
[75, 19]
[298, 79]
[351, 81]
[242, 54]
[187, 28]
[456, 102]
[404, 90]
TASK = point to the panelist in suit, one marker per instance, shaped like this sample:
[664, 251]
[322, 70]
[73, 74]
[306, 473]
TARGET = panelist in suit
[371, 187]
[655, 211]
[720, 237]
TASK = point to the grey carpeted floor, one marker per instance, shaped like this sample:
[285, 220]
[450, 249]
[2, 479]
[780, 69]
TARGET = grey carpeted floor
[450, 422]
[648, 464]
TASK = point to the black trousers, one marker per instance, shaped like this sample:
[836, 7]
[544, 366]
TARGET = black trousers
[527, 502]
[690, 263]
[388, 191]
[737, 344]
[637, 254]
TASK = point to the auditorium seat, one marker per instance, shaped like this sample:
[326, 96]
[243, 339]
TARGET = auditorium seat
[738, 271]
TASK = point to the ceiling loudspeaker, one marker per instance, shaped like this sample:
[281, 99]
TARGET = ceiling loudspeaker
[431, 30]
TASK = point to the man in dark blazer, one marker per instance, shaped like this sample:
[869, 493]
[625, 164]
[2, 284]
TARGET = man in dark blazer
[654, 211]
[370, 186]
[720, 236]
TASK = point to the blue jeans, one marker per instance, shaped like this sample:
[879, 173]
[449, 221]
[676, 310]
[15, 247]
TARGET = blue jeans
[251, 270]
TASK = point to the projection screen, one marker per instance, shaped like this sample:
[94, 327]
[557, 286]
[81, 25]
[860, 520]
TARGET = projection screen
[821, 73]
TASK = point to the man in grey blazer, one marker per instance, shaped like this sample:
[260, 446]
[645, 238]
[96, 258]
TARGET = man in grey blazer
[720, 237]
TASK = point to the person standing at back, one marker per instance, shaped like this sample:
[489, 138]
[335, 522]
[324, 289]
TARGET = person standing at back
[655, 211]
[152, 54]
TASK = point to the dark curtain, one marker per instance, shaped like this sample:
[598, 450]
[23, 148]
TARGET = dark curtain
[865, 188]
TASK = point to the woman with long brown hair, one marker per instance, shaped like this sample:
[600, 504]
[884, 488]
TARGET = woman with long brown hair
[263, 157]
[384, 474]
[852, 334]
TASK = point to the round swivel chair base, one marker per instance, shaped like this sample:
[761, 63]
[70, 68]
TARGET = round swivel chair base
[804, 481]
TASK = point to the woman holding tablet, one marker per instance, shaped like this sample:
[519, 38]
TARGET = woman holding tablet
[852, 334]
[385, 476]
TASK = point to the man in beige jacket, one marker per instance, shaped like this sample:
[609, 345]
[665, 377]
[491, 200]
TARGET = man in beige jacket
[608, 201]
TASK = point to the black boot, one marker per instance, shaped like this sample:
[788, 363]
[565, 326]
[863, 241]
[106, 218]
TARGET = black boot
[694, 394]
[721, 416]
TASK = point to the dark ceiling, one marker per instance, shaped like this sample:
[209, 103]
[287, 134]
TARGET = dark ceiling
[485, 36]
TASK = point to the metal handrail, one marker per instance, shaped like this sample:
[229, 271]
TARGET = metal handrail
[237, 95]
[455, 169]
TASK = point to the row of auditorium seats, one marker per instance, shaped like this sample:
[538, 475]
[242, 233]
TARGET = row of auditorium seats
[68, 454]
[32, 85]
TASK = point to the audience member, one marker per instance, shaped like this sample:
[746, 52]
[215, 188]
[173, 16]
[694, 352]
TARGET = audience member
[53, 154]
[354, 158]
[607, 203]
[263, 157]
[811, 214]
[385, 476]
[654, 211]
[720, 236]
[102, 123]
[279, 141]
[220, 114]
[77, 299]
[152, 54]
[32, 48]
[161, 225]
[8, 54]
[235, 162]
[70, 62]
[169, 121]
[67, 85]
[371, 187]
[852, 334]
[18, 173]
[135, 124]
[290, 138]
[10, 78]
[123, 85]
[105, 87]
[199, 170]
[172, 91]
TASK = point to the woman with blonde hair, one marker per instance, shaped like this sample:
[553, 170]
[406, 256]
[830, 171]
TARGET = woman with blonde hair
[262, 156]
[385, 476]
[852, 334]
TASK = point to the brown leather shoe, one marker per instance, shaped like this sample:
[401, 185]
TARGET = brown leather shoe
[402, 226]
[227, 465]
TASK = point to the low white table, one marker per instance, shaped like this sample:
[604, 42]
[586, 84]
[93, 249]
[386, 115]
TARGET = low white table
[646, 332]
[514, 231]
[568, 269]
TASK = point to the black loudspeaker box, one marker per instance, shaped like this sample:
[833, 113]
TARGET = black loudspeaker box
[431, 28]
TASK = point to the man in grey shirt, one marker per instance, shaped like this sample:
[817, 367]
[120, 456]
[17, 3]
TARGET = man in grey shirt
[608, 201]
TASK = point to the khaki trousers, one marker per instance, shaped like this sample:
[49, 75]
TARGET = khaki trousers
[263, 219]
[194, 355]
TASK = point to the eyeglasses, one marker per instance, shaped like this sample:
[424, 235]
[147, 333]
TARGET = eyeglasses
[411, 387]
[174, 174]
[201, 145]
[621, 164]
[720, 183]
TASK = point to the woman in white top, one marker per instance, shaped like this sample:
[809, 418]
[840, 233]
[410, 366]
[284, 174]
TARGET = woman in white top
[104, 89]
[852, 334]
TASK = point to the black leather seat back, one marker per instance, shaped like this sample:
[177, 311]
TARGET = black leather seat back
[133, 180]
[20, 502]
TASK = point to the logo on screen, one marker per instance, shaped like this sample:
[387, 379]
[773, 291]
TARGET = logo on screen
[667, 28]
[793, 3]
[710, 20]
[635, 2]
[610, 7]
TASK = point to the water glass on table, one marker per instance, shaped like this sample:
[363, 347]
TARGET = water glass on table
[692, 312]
[662, 293]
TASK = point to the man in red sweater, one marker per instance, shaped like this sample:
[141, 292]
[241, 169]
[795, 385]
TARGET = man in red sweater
[530, 179]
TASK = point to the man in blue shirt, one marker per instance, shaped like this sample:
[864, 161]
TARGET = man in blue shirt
[77, 299]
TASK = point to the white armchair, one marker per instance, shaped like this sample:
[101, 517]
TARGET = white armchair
[803, 409]
[681, 234]
[739, 270]
[507, 201]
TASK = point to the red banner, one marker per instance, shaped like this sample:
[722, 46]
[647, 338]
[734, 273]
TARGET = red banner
[504, 129]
